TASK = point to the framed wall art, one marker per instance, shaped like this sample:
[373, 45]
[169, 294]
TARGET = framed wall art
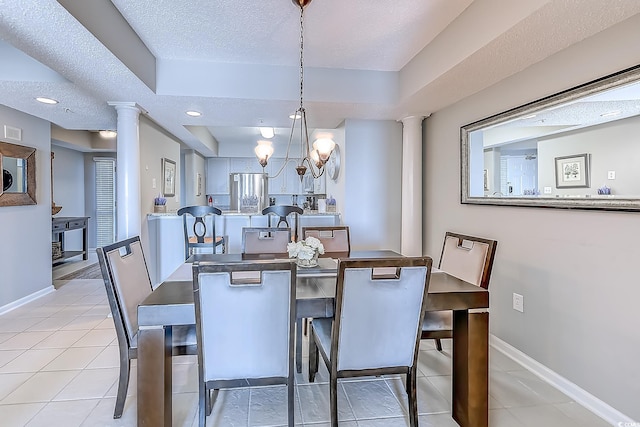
[168, 178]
[572, 171]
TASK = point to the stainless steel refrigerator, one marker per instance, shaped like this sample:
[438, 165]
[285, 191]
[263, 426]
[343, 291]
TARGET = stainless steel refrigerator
[249, 192]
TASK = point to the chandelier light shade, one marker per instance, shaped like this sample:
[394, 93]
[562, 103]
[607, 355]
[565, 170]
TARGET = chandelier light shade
[324, 147]
[264, 150]
[313, 160]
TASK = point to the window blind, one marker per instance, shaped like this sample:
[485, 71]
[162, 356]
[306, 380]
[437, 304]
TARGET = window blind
[105, 200]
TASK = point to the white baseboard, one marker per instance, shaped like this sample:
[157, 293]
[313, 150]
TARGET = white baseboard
[579, 395]
[22, 301]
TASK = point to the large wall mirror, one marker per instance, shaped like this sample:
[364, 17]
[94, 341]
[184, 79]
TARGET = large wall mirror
[18, 181]
[576, 149]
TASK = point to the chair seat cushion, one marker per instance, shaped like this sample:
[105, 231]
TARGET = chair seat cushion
[322, 328]
[438, 321]
[183, 336]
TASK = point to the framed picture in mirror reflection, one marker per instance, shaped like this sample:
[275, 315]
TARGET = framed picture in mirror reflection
[572, 171]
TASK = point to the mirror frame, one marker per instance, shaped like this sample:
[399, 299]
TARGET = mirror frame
[20, 152]
[629, 75]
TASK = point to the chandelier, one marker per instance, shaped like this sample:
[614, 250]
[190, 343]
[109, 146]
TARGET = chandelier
[322, 147]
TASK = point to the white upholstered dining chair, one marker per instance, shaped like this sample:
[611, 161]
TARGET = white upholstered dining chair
[265, 240]
[334, 239]
[376, 328]
[127, 283]
[245, 328]
[465, 257]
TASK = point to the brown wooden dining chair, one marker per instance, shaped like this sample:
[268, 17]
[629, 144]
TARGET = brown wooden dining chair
[282, 212]
[196, 235]
[127, 283]
[376, 327]
[245, 328]
[465, 257]
[265, 240]
[334, 239]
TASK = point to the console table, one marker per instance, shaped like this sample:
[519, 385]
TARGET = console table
[63, 224]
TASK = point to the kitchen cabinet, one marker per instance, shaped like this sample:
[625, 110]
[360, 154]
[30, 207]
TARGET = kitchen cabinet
[217, 175]
[287, 182]
[244, 165]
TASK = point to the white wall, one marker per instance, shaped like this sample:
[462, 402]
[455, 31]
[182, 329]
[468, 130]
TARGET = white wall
[25, 231]
[194, 164]
[577, 270]
[69, 190]
[373, 178]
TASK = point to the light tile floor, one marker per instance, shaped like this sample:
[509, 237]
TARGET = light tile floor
[59, 367]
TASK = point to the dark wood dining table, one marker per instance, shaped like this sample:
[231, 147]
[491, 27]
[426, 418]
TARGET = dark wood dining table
[171, 303]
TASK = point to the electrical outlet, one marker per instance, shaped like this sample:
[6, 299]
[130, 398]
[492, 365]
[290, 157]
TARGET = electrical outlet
[547, 190]
[611, 175]
[518, 302]
[153, 183]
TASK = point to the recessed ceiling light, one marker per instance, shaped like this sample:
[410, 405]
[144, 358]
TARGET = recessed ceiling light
[108, 133]
[46, 100]
[267, 132]
[194, 113]
[530, 116]
[295, 116]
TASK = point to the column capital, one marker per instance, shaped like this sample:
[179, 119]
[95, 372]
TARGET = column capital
[413, 119]
[118, 105]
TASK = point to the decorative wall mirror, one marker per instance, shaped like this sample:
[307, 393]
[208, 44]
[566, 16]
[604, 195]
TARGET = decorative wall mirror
[577, 149]
[18, 181]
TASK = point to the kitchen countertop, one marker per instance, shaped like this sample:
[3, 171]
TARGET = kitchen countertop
[238, 213]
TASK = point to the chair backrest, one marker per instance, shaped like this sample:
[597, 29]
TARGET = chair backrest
[245, 330]
[282, 211]
[127, 282]
[334, 239]
[265, 240]
[468, 258]
[387, 296]
[195, 227]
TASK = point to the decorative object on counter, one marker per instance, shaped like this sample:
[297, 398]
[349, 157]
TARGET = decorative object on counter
[160, 204]
[168, 177]
[322, 205]
[306, 252]
[323, 146]
[604, 190]
[331, 204]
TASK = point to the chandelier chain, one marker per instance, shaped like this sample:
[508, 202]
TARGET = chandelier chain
[301, 54]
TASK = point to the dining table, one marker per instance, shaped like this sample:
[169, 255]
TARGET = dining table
[171, 303]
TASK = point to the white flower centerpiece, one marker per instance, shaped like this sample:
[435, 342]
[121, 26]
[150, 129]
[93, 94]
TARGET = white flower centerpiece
[306, 251]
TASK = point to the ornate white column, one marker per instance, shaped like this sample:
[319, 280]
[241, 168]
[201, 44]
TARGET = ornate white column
[411, 237]
[128, 203]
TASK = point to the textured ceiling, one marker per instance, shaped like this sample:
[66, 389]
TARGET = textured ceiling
[237, 62]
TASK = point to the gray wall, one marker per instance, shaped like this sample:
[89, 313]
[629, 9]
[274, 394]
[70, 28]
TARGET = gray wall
[25, 231]
[372, 183]
[69, 190]
[156, 144]
[612, 146]
[577, 270]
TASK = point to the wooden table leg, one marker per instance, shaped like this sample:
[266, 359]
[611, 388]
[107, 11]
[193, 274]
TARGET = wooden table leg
[154, 376]
[470, 388]
[299, 344]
